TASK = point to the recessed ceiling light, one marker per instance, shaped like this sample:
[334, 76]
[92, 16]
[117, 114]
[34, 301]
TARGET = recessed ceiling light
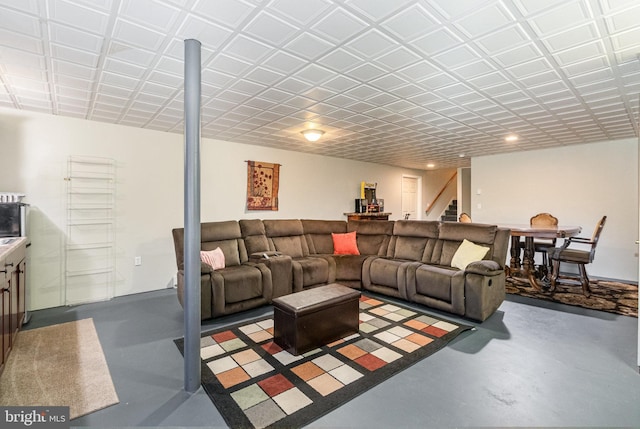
[312, 135]
[511, 138]
[461, 155]
[430, 165]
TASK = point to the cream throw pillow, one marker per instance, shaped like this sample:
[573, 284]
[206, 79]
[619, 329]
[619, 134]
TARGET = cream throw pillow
[467, 253]
[215, 258]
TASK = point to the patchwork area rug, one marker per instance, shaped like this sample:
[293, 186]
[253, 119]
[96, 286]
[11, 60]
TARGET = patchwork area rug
[254, 383]
[609, 296]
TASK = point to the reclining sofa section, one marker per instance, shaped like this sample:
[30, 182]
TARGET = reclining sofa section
[406, 259]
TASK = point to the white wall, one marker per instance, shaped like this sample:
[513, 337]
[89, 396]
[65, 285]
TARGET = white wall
[34, 149]
[577, 184]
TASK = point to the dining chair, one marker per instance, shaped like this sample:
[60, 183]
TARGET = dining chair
[542, 245]
[575, 256]
[465, 218]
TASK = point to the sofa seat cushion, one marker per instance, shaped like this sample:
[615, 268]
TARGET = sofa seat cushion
[383, 271]
[314, 271]
[348, 267]
[438, 281]
[240, 283]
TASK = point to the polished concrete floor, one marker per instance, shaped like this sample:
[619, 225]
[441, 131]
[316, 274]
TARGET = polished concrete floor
[532, 363]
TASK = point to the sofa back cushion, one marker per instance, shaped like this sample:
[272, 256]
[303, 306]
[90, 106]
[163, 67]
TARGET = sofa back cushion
[413, 240]
[453, 233]
[231, 250]
[372, 236]
[225, 235]
[254, 235]
[477, 233]
[318, 234]
[228, 237]
[286, 236]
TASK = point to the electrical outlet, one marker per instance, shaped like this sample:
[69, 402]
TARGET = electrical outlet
[138, 260]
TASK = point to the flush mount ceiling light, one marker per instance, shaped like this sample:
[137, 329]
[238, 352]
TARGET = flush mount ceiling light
[312, 135]
[511, 138]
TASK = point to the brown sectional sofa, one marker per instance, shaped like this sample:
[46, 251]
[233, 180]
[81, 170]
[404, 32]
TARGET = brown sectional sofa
[406, 259]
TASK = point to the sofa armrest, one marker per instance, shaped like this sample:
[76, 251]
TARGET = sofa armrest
[484, 268]
[264, 255]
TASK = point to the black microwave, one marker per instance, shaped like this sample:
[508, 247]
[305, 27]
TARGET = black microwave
[13, 219]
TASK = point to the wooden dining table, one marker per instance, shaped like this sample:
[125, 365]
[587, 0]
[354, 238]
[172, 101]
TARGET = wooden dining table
[527, 268]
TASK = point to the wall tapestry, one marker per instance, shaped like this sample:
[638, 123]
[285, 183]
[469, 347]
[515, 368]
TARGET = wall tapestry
[263, 179]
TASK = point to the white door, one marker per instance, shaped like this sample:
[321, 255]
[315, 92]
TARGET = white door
[410, 197]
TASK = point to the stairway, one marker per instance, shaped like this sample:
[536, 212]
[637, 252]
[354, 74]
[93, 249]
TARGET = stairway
[451, 213]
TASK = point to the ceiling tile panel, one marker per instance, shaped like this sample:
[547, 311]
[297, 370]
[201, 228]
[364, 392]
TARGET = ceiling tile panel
[388, 82]
[540, 79]
[130, 54]
[210, 34]
[367, 72]
[411, 22]
[474, 69]
[339, 26]
[398, 58]
[74, 70]
[72, 37]
[485, 20]
[119, 80]
[503, 39]
[379, 9]
[456, 57]
[19, 22]
[573, 37]
[248, 49]
[129, 33]
[303, 13]
[452, 9]
[150, 13]
[75, 15]
[228, 12]
[580, 53]
[229, 64]
[522, 54]
[270, 29]
[437, 41]
[371, 44]
[567, 14]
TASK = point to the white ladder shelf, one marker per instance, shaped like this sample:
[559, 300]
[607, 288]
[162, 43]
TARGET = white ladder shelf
[90, 240]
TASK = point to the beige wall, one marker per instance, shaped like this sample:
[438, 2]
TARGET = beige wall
[35, 149]
[578, 184]
[434, 181]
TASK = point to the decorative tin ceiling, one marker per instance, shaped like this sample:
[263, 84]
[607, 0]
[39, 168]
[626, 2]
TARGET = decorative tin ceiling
[400, 82]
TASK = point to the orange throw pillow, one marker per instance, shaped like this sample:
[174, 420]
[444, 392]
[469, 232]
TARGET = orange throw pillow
[345, 244]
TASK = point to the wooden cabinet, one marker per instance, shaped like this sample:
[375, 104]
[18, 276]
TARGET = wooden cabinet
[368, 216]
[12, 300]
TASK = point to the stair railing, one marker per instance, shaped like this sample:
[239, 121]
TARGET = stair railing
[430, 205]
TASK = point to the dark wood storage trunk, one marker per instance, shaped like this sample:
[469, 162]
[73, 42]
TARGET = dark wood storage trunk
[315, 317]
